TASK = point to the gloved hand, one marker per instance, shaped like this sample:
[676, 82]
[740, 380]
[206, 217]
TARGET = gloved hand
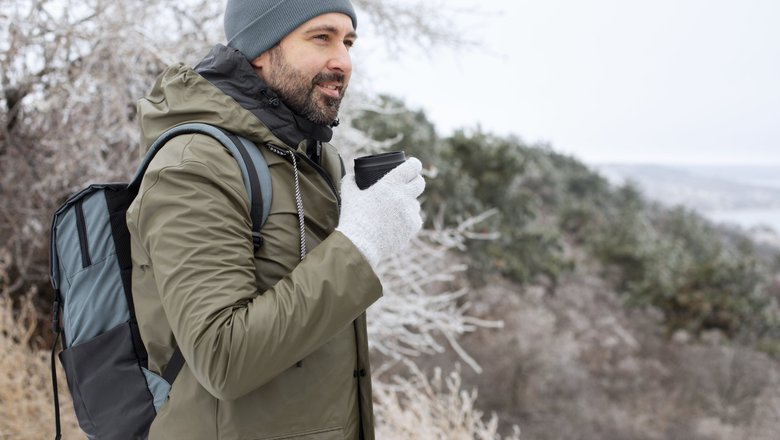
[381, 219]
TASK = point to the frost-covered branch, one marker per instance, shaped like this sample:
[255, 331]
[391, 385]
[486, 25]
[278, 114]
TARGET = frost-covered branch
[426, 23]
[353, 142]
[456, 237]
[71, 72]
[422, 303]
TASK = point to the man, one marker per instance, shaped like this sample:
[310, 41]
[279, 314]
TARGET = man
[274, 343]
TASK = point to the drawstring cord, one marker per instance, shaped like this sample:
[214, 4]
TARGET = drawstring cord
[298, 198]
[298, 204]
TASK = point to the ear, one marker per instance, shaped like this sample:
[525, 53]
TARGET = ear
[261, 61]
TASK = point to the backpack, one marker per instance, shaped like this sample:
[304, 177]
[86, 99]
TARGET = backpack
[114, 395]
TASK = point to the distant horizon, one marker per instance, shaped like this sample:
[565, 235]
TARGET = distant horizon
[748, 195]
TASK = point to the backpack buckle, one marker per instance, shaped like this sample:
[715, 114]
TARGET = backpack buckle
[257, 240]
[55, 316]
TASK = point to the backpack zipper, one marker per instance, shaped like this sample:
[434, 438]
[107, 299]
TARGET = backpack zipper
[81, 227]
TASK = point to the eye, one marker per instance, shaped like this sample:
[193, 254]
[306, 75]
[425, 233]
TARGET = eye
[349, 43]
[322, 37]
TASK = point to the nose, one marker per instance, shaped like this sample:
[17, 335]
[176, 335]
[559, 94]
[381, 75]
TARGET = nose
[340, 60]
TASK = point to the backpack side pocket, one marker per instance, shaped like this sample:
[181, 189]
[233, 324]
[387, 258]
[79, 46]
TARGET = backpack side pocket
[110, 391]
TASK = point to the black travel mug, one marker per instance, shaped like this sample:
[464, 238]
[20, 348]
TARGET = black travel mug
[369, 169]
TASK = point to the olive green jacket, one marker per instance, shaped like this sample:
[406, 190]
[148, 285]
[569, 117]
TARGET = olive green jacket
[274, 347]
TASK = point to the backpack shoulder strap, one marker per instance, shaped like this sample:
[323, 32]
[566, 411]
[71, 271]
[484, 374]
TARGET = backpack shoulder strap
[256, 177]
[254, 169]
[257, 180]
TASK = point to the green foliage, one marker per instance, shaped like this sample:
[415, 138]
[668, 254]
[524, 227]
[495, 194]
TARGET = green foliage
[479, 172]
[671, 259]
[676, 261]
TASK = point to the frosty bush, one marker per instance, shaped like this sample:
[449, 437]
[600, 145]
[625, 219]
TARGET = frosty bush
[417, 407]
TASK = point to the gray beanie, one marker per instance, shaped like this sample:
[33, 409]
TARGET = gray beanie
[254, 26]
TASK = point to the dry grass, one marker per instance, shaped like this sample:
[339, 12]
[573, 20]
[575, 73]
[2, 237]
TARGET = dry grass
[416, 407]
[26, 409]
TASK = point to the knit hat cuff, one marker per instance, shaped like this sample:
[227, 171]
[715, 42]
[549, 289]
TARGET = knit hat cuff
[273, 25]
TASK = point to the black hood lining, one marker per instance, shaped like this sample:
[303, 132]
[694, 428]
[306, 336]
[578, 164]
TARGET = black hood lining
[228, 70]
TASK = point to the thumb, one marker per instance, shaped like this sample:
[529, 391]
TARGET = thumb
[348, 183]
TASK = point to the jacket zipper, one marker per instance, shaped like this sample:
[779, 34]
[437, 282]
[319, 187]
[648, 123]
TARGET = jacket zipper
[319, 170]
[81, 227]
[324, 175]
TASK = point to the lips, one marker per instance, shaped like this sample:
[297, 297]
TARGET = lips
[331, 89]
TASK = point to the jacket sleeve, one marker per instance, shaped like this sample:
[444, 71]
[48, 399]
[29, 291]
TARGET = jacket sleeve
[193, 223]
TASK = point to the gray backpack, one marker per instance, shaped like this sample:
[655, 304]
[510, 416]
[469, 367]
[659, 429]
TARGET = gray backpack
[114, 395]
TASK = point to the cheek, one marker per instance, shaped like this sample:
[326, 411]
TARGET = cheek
[308, 62]
[315, 69]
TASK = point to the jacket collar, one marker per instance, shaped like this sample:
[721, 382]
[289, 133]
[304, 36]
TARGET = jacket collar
[228, 70]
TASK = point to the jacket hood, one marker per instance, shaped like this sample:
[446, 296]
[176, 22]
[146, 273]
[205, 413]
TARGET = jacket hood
[223, 90]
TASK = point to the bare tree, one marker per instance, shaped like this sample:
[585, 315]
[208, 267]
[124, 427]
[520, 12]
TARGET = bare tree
[71, 72]
[427, 24]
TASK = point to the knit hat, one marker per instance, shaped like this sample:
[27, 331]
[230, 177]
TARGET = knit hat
[254, 26]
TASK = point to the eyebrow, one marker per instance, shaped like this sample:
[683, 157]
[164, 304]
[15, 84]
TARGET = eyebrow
[330, 29]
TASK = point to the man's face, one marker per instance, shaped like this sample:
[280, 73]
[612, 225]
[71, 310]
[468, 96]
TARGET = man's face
[310, 68]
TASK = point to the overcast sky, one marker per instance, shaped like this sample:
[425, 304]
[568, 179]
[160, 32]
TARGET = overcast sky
[663, 81]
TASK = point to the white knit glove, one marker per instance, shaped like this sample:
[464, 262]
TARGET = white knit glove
[381, 219]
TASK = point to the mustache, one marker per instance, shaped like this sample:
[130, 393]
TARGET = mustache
[329, 77]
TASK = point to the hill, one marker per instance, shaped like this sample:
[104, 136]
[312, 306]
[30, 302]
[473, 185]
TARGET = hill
[625, 318]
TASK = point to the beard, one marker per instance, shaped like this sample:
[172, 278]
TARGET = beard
[300, 93]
